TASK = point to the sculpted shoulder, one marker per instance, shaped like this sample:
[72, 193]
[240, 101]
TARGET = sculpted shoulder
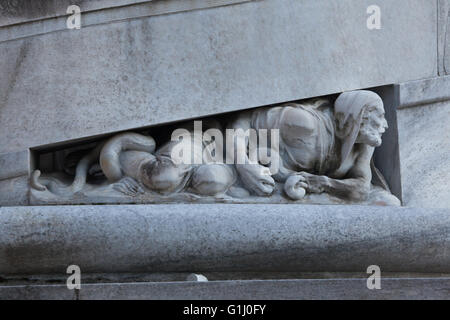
[297, 122]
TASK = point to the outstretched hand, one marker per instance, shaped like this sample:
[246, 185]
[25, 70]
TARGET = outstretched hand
[311, 182]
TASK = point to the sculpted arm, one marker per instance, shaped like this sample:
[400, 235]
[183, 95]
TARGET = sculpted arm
[255, 177]
[355, 185]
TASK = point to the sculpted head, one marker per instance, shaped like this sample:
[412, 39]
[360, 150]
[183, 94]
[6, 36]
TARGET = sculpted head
[359, 119]
[373, 125]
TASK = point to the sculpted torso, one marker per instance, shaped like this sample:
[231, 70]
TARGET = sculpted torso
[312, 152]
[299, 134]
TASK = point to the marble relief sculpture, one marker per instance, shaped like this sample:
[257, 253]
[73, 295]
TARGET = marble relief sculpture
[324, 155]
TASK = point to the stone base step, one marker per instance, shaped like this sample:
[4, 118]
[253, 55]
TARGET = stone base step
[335, 289]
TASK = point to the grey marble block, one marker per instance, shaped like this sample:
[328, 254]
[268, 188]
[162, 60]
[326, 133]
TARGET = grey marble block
[14, 191]
[444, 37]
[212, 237]
[26, 22]
[121, 75]
[334, 289]
[424, 142]
[24, 11]
[14, 164]
[422, 92]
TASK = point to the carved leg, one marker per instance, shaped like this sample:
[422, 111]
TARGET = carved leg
[110, 154]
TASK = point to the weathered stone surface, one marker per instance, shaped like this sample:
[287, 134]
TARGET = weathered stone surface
[444, 37]
[110, 77]
[200, 238]
[334, 289]
[104, 12]
[14, 164]
[424, 140]
[14, 191]
[20, 11]
[14, 170]
[426, 91]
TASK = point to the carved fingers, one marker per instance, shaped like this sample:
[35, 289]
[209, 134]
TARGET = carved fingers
[314, 183]
[301, 182]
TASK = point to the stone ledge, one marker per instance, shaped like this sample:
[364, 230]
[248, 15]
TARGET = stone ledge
[222, 237]
[425, 91]
[424, 139]
[335, 289]
[30, 11]
[109, 13]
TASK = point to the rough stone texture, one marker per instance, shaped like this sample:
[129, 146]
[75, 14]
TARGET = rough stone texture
[444, 37]
[90, 278]
[426, 91]
[104, 78]
[335, 289]
[14, 164]
[14, 169]
[14, 191]
[424, 140]
[200, 238]
[108, 14]
[20, 11]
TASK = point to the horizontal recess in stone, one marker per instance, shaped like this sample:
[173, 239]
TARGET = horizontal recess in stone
[49, 158]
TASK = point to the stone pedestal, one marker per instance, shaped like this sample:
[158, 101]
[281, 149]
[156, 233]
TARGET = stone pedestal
[136, 64]
[202, 237]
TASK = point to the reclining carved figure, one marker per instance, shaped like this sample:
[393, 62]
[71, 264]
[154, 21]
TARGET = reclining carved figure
[321, 150]
[131, 164]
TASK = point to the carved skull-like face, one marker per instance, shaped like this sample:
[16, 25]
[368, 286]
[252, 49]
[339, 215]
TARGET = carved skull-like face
[373, 126]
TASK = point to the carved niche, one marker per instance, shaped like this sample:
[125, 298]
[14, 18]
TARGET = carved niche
[313, 151]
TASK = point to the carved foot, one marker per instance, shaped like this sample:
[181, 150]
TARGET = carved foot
[128, 186]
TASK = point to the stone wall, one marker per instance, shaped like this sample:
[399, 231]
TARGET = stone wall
[424, 140]
[121, 71]
[444, 37]
[139, 63]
